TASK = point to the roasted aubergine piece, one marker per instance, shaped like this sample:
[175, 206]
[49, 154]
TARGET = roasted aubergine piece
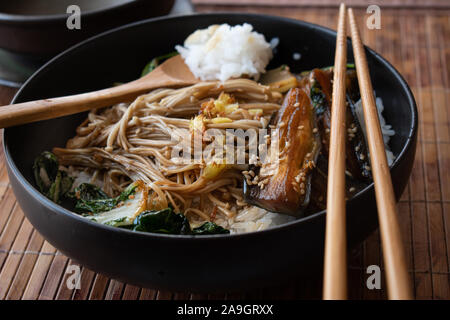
[284, 187]
[357, 160]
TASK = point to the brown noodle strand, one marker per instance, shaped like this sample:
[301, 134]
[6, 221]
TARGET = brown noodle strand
[134, 141]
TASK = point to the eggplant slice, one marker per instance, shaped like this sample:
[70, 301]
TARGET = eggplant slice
[358, 172]
[298, 185]
[285, 187]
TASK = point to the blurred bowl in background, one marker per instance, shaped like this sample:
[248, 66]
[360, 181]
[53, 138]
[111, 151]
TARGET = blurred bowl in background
[39, 27]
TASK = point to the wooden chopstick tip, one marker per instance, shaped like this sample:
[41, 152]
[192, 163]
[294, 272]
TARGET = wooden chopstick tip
[351, 16]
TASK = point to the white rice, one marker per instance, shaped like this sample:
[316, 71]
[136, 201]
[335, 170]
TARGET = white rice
[223, 52]
[386, 129]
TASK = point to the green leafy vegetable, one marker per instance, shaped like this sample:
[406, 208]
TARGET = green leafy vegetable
[91, 199]
[162, 221]
[60, 187]
[88, 192]
[45, 169]
[53, 183]
[156, 62]
[209, 228]
[120, 211]
[168, 222]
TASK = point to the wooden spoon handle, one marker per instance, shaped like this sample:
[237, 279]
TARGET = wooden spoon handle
[172, 73]
[56, 107]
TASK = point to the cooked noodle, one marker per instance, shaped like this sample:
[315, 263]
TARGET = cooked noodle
[134, 141]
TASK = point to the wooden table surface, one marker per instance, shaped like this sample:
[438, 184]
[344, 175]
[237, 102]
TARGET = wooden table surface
[415, 38]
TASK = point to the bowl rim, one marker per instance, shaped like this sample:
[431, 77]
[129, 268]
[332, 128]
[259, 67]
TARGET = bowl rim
[18, 19]
[61, 210]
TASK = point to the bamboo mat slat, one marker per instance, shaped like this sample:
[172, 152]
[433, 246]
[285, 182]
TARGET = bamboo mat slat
[417, 43]
[53, 279]
[130, 292]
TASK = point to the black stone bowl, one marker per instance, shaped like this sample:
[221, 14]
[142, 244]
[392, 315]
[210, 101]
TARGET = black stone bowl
[171, 262]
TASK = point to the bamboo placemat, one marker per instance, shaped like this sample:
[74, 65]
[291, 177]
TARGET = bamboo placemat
[417, 43]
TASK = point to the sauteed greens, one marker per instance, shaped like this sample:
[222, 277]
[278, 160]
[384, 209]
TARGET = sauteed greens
[127, 210]
[169, 222]
[93, 200]
[53, 183]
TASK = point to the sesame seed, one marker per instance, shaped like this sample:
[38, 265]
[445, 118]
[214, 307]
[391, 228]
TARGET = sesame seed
[301, 127]
[315, 130]
[327, 130]
[296, 104]
[352, 189]
[302, 191]
[357, 148]
[362, 157]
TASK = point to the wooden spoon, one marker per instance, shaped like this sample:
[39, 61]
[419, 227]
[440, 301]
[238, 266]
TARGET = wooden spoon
[172, 73]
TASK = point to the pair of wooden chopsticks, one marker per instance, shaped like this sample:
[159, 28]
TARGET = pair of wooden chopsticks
[335, 270]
